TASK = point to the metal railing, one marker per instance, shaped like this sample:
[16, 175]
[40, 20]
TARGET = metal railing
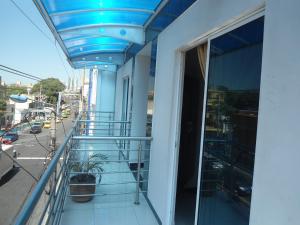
[125, 170]
[138, 149]
[50, 191]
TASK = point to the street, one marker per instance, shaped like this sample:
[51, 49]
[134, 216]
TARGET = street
[31, 155]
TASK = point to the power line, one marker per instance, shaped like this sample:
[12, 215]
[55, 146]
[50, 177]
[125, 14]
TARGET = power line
[20, 75]
[18, 71]
[31, 21]
[37, 27]
[61, 60]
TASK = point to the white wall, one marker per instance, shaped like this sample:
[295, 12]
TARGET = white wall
[106, 86]
[276, 195]
[124, 71]
[94, 89]
[140, 95]
[202, 17]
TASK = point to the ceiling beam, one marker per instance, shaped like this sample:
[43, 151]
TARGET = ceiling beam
[72, 12]
[130, 34]
[157, 11]
[94, 45]
[102, 25]
[106, 57]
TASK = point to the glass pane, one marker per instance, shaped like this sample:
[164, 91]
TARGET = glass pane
[95, 41]
[230, 126]
[98, 48]
[65, 5]
[95, 18]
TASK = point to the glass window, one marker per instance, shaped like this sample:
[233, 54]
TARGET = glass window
[230, 126]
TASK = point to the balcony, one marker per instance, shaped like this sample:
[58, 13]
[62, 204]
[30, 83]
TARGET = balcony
[121, 185]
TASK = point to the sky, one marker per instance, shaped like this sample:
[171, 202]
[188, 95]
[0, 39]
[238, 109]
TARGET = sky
[25, 48]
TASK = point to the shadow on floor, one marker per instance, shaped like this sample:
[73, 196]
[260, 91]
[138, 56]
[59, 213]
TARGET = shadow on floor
[9, 175]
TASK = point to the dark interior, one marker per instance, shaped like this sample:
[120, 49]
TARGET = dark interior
[191, 121]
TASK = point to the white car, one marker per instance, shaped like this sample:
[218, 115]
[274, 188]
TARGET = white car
[6, 164]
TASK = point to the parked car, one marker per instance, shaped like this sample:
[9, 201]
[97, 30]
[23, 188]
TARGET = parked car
[47, 124]
[2, 132]
[35, 129]
[64, 114]
[38, 123]
[10, 137]
[6, 164]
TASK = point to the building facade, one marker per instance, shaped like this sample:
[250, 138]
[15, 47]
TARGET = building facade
[223, 80]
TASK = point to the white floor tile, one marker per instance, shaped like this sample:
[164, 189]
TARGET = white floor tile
[111, 209]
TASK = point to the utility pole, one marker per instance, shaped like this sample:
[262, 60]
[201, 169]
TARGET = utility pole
[58, 105]
[40, 97]
[53, 132]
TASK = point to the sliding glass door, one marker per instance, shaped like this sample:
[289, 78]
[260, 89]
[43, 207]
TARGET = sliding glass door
[230, 126]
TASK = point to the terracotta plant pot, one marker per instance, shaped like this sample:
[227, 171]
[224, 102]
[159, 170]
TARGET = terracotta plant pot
[82, 189]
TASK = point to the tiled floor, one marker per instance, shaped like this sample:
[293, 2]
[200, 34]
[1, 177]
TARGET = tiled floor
[110, 209]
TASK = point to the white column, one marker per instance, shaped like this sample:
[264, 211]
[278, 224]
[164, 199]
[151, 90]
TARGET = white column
[106, 89]
[139, 100]
[276, 197]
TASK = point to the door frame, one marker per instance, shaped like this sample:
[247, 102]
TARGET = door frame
[178, 96]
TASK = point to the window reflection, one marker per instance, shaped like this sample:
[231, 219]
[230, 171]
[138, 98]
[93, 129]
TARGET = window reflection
[230, 126]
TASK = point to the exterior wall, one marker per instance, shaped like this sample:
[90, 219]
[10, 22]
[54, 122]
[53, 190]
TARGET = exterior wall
[276, 198]
[138, 82]
[124, 71]
[140, 95]
[202, 17]
[106, 87]
[20, 110]
[94, 88]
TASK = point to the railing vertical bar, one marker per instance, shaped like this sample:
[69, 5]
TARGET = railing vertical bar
[137, 194]
[33, 199]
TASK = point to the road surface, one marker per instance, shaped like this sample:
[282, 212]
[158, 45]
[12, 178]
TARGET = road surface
[17, 185]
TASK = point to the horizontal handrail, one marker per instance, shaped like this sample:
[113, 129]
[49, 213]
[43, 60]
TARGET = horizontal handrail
[112, 172]
[105, 194]
[33, 199]
[103, 121]
[108, 150]
[98, 111]
[112, 138]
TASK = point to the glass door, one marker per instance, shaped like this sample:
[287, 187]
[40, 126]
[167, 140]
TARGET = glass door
[232, 106]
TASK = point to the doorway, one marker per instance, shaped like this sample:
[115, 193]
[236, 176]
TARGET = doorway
[124, 116]
[191, 123]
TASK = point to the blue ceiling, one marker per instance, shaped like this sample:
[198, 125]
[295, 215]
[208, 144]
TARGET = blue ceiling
[107, 30]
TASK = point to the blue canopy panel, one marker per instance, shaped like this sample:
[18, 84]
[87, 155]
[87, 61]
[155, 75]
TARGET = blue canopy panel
[85, 27]
[92, 64]
[58, 6]
[171, 10]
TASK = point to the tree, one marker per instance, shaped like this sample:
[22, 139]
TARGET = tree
[15, 90]
[2, 108]
[49, 87]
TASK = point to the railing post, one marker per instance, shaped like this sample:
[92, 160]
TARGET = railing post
[137, 193]
[109, 125]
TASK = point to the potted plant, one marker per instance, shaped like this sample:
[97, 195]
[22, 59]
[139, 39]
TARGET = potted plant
[88, 176]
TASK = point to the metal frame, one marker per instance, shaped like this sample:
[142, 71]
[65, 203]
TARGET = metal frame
[100, 25]
[84, 37]
[94, 52]
[139, 10]
[93, 45]
[135, 35]
[157, 11]
[107, 57]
